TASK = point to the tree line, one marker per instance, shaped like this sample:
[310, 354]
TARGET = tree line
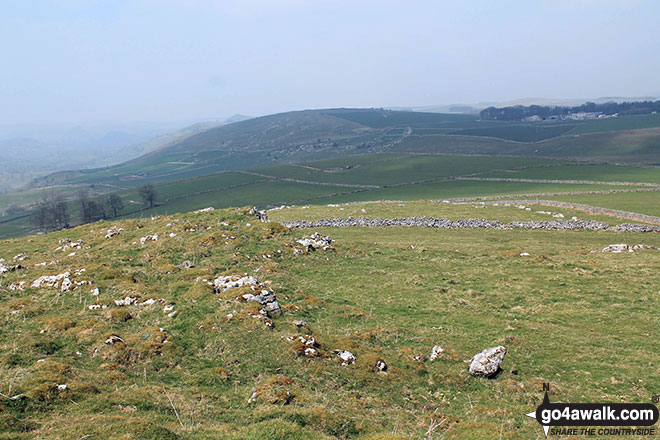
[518, 112]
[52, 213]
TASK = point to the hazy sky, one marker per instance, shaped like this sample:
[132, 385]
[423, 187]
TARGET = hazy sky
[88, 60]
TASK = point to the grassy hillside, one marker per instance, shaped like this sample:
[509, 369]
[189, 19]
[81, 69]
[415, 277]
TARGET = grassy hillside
[321, 134]
[183, 362]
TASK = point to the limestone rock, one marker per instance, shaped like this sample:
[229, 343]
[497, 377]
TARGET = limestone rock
[261, 215]
[436, 352]
[346, 357]
[315, 241]
[487, 363]
[50, 280]
[231, 281]
[147, 238]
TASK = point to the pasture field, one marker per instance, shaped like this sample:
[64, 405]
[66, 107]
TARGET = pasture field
[643, 202]
[520, 133]
[600, 173]
[635, 122]
[577, 320]
[455, 188]
[415, 169]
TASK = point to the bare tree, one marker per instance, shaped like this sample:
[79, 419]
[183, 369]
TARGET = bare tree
[148, 194]
[51, 214]
[115, 203]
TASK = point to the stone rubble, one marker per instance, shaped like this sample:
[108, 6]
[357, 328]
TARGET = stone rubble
[187, 265]
[209, 209]
[487, 363]
[622, 247]
[315, 241]
[113, 231]
[265, 297]
[231, 281]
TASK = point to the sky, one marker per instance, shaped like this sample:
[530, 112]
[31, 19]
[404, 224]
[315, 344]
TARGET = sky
[167, 60]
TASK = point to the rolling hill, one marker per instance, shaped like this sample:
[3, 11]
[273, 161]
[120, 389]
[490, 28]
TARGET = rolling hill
[330, 155]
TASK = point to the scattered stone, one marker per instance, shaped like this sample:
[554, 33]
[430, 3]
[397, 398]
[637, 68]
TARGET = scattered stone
[622, 247]
[20, 257]
[113, 231]
[66, 285]
[380, 365]
[168, 308]
[231, 281]
[209, 209]
[172, 235]
[153, 237]
[261, 215]
[487, 363]
[187, 265]
[300, 323]
[61, 387]
[346, 357]
[524, 254]
[95, 291]
[436, 352]
[97, 306]
[265, 297]
[129, 300]
[311, 352]
[17, 286]
[50, 280]
[315, 241]
[113, 339]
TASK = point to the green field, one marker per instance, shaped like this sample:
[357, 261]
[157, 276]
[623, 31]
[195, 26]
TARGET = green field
[520, 133]
[645, 202]
[601, 173]
[615, 124]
